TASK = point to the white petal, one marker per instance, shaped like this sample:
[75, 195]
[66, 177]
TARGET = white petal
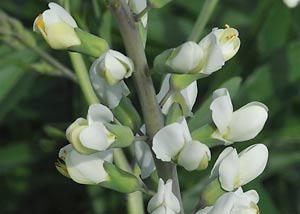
[165, 86]
[224, 204]
[171, 201]
[50, 18]
[160, 210]
[168, 141]
[214, 56]
[112, 68]
[137, 7]
[190, 94]
[291, 3]
[85, 169]
[63, 14]
[158, 199]
[78, 122]
[228, 171]
[94, 137]
[192, 154]
[252, 195]
[224, 154]
[63, 152]
[99, 113]
[253, 161]
[187, 57]
[222, 109]
[185, 129]
[125, 60]
[247, 122]
[144, 158]
[110, 95]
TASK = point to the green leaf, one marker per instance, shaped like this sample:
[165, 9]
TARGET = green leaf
[124, 135]
[120, 180]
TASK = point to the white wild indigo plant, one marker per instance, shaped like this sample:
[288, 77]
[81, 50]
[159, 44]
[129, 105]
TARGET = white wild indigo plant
[161, 141]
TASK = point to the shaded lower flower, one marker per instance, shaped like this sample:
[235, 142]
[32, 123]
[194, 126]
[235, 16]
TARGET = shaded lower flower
[237, 202]
[164, 201]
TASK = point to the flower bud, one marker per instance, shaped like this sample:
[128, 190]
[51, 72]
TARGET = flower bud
[83, 169]
[185, 58]
[114, 67]
[164, 201]
[57, 27]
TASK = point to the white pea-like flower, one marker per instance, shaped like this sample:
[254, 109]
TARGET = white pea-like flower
[83, 169]
[237, 202]
[91, 135]
[113, 66]
[236, 126]
[185, 58]
[57, 27]
[174, 142]
[164, 201]
[291, 3]
[189, 94]
[235, 170]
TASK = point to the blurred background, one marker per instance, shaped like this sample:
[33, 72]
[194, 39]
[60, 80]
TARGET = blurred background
[38, 100]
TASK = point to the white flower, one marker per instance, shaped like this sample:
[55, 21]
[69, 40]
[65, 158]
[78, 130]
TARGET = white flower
[185, 58]
[189, 94]
[241, 125]
[113, 67]
[235, 170]
[237, 202]
[174, 142]
[57, 27]
[91, 135]
[291, 3]
[144, 158]
[84, 169]
[164, 201]
[110, 95]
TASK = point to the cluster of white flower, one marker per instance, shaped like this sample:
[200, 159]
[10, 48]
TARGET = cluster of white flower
[89, 156]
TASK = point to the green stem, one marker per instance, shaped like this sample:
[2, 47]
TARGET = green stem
[151, 111]
[135, 199]
[137, 17]
[83, 78]
[205, 14]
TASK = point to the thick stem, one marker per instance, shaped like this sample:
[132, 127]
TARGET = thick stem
[151, 111]
[205, 14]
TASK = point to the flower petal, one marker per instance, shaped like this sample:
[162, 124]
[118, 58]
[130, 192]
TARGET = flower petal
[224, 154]
[94, 137]
[144, 158]
[222, 109]
[192, 154]
[158, 199]
[206, 210]
[190, 94]
[247, 122]
[228, 171]
[109, 95]
[168, 141]
[99, 113]
[253, 161]
[171, 201]
[63, 14]
[85, 169]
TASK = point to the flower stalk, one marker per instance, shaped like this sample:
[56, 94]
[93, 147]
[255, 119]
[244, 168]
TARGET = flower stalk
[144, 85]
